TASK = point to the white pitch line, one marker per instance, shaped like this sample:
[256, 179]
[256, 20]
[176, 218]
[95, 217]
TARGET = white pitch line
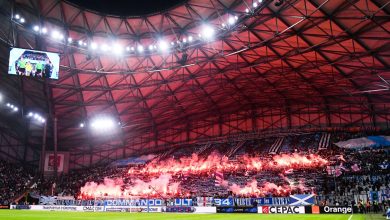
[350, 217]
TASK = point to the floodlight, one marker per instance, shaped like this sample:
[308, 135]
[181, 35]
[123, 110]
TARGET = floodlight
[255, 4]
[117, 49]
[82, 125]
[36, 28]
[44, 30]
[163, 45]
[150, 47]
[104, 47]
[17, 16]
[102, 124]
[231, 20]
[30, 114]
[22, 20]
[190, 38]
[94, 46]
[70, 39]
[207, 32]
[140, 48]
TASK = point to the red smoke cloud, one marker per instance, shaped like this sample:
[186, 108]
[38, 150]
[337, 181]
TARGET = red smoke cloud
[116, 188]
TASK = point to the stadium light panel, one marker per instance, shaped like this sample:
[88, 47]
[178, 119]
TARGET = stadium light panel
[15, 109]
[163, 45]
[70, 40]
[117, 49]
[104, 47]
[190, 38]
[94, 46]
[44, 30]
[30, 114]
[247, 10]
[255, 4]
[82, 125]
[102, 124]
[36, 28]
[207, 32]
[56, 35]
[231, 20]
[17, 16]
[140, 48]
[150, 47]
[22, 20]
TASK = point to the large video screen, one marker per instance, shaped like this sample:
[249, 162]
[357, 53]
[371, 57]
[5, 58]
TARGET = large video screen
[34, 63]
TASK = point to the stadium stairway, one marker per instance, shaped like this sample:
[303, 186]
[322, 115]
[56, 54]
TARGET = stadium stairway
[233, 150]
[276, 146]
[324, 141]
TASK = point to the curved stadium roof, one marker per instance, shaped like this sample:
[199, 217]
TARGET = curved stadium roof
[306, 64]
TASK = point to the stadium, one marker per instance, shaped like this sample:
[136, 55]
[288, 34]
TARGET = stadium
[195, 109]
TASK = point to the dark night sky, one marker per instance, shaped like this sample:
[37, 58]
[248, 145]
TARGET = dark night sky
[127, 7]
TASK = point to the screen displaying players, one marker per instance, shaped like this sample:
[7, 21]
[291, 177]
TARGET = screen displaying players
[34, 63]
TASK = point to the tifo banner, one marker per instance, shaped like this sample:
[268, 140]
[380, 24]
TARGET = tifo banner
[48, 200]
[281, 201]
[281, 209]
[62, 162]
[135, 202]
[302, 199]
[50, 162]
[183, 202]
[264, 201]
[223, 202]
[237, 210]
[204, 201]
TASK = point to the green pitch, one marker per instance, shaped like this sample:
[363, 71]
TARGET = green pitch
[45, 215]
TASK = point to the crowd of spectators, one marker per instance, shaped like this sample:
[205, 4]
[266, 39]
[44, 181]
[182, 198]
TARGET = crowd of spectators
[373, 174]
[14, 180]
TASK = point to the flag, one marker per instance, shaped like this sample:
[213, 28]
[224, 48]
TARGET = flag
[302, 199]
[338, 172]
[289, 171]
[355, 168]
[218, 178]
[330, 170]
